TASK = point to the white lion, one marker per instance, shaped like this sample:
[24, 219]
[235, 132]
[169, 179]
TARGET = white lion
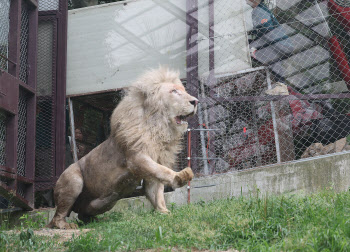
[146, 132]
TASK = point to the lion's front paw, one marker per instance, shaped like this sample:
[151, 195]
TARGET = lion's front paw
[163, 211]
[61, 224]
[183, 177]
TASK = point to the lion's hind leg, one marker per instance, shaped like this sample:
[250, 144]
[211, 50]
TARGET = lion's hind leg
[68, 188]
[155, 193]
[86, 218]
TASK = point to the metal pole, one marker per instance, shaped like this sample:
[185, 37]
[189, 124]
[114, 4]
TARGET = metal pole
[72, 130]
[204, 153]
[189, 164]
[273, 112]
[205, 129]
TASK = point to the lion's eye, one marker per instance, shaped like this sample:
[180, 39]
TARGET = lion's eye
[174, 91]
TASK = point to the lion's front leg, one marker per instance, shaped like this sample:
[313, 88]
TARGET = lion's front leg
[143, 165]
[184, 176]
[155, 193]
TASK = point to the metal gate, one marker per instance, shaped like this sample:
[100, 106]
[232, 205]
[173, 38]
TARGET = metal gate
[32, 98]
[51, 88]
[17, 100]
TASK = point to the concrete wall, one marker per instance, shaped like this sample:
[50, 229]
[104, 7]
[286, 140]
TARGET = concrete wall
[307, 176]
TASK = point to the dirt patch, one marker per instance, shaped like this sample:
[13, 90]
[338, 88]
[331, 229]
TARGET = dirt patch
[61, 234]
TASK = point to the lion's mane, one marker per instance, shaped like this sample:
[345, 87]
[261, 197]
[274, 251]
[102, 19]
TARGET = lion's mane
[140, 122]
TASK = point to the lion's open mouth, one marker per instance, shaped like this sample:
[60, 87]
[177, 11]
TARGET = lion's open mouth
[182, 119]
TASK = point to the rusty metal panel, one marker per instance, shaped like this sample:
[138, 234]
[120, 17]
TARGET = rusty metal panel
[8, 94]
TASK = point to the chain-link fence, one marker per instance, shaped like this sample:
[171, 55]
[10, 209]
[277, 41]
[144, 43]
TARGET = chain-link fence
[3, 118]
[23, 70]
[49, 5]
[4, 33]
[272, 76]
[45, 123]
[273, 79]
[22, 133]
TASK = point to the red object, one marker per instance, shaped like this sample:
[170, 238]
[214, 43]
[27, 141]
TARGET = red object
[341, 13]
[340, 57]
[303, 112]
[245, 133]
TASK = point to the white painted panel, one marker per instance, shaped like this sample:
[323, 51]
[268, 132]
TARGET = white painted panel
[110, 45]
[231, 43]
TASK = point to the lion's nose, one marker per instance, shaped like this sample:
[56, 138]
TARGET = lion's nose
[194, 102]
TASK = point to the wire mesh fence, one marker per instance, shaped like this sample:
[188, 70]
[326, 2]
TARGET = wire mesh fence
[48, 5]
[274, 85]
[3, 118]
[45, 122]
[272, 77]
[4, 33]
[23, 70]
[22, 133]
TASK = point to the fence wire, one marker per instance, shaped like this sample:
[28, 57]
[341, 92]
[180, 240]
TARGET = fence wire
[273, 86]
[48, 5]
[3, 119]
[24, 37]
[22, 133]
[45, 122]
[4, 33]
[272, 77]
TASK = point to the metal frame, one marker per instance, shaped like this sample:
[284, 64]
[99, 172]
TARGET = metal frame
[53, 19]
[192, 58]
[59, 59]
[10, 86]
[20, 189]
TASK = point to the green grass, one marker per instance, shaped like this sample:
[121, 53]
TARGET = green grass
[317, 222]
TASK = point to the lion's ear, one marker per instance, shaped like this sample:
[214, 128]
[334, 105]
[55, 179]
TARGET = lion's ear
[138, 92]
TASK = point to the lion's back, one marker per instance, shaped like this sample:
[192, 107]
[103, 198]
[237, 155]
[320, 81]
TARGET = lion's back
[102, 167]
